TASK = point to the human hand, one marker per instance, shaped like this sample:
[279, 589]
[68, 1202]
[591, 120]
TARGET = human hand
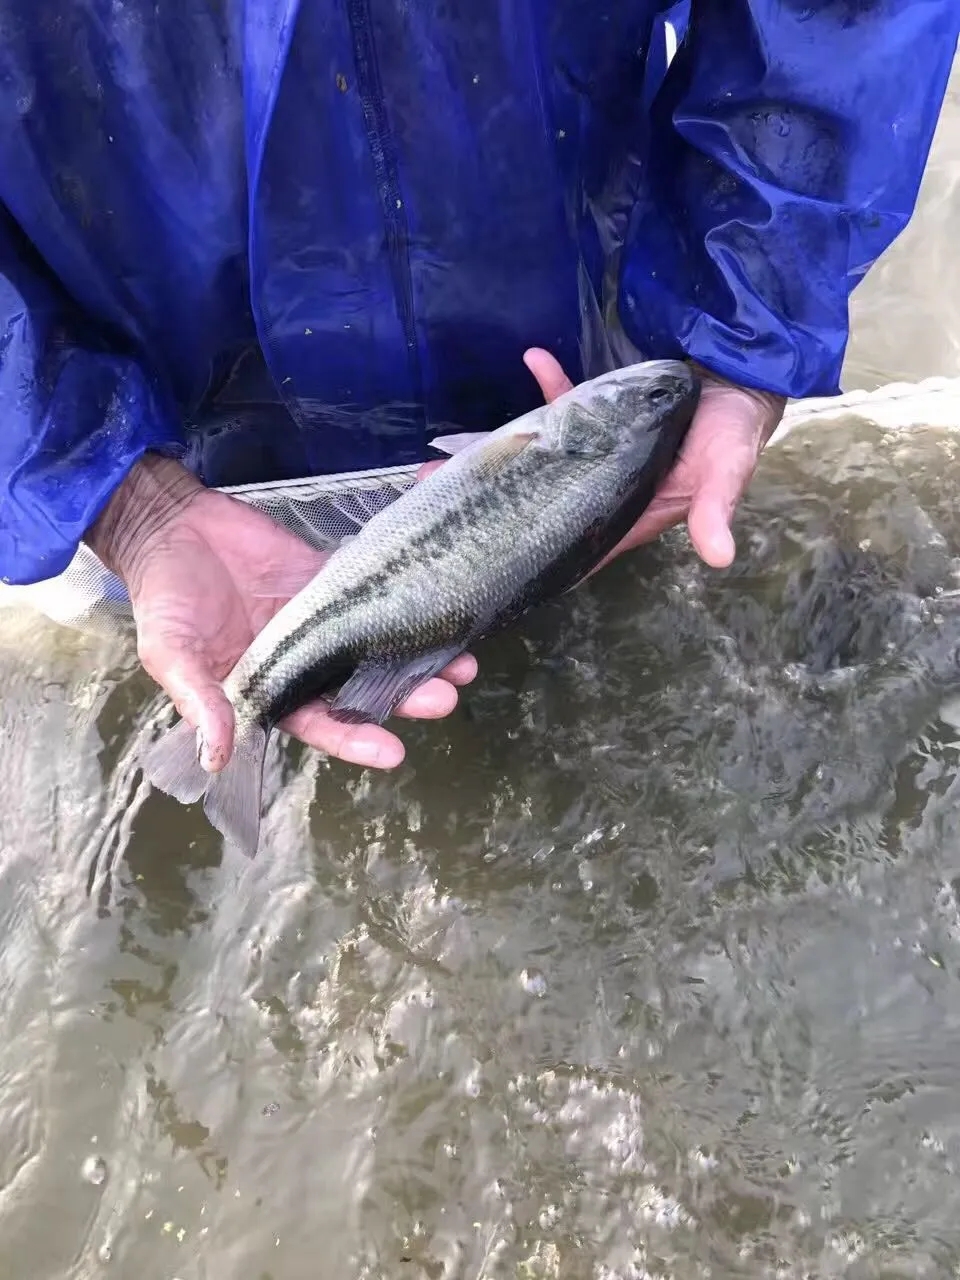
[716, 461]
[200, 568]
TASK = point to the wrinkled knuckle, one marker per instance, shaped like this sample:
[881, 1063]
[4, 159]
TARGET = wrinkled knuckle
[190, 645]
[331, 745]
[215, 706]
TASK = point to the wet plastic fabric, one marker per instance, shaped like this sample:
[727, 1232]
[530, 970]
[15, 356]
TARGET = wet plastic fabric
[298, 237]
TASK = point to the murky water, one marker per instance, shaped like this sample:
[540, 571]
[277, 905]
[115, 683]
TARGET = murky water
[906, 314]
[645, 964]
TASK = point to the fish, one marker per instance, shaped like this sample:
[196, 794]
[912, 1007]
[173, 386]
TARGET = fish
[513, 518]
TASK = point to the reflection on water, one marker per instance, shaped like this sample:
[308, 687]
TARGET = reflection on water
[645, 964]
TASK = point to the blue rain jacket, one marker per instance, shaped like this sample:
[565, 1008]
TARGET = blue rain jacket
[285, 237]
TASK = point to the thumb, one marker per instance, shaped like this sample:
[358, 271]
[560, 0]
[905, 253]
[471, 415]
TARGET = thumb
[199, 698]
[729, 447]
[724, 471]
[427, 468]
[552, 380]
[731, 427]
[548, 373]
[708, 522]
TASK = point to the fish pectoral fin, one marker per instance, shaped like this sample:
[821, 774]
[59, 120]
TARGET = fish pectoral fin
[376, 689]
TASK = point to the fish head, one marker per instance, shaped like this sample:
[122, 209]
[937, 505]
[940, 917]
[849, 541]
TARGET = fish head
[619, 412]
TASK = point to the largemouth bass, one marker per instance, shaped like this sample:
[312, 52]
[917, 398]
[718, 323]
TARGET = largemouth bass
[515, 517]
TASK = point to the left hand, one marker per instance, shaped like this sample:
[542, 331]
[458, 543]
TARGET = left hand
[716, 463]
[205, 573]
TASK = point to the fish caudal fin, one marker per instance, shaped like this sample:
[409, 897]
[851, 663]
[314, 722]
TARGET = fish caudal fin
[231, 798]
[172, 764]
[234, 794]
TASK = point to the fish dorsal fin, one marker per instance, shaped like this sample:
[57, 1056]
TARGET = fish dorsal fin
[377, 687]
[454, 444]
[494, 452]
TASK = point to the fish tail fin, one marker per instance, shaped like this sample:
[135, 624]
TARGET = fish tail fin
[234, 795]
[231, 797]
[172, 764]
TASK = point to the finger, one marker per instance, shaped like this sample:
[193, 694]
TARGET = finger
[461, 671]
[368, 745]
[714, 501]
[724, 473]
[548, 373]
[197, 696]
[431, 701]
[728, 433]
[427, 467]
[711, 513]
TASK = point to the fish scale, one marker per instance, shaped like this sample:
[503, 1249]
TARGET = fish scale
[515, 517]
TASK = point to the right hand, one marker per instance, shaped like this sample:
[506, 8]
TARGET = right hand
[196, 564]
[719, 455]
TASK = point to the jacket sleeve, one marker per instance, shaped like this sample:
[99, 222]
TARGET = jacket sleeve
[788, 141]
[76, 411]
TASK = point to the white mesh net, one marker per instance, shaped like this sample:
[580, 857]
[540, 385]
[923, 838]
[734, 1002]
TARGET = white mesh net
[325, 509]
[322, 510]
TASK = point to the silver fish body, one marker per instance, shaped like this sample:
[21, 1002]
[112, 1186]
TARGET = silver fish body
[515, 517]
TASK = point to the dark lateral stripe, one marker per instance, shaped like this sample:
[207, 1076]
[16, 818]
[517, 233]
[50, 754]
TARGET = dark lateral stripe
[364, 593]
[430, 543]
[259, 680]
